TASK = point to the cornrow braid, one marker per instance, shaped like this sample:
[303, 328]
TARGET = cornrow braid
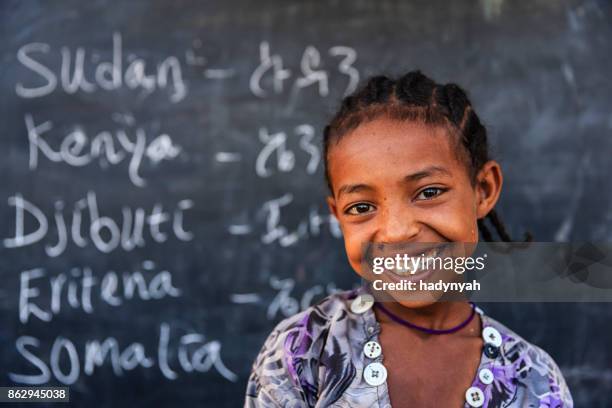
[415, 97]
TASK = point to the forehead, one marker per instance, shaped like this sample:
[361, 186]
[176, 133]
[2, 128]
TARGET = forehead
[386, 149]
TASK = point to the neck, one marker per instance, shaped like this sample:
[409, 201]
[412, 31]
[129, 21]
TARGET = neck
[436, 316]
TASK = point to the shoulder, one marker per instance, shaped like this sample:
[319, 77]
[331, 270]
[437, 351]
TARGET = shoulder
[527, 370]
[289, 360]
[303, 331]
[319, 316]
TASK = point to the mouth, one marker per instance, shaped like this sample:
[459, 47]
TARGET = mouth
[415, 264]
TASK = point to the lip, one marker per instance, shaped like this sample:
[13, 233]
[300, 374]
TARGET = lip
[395, 278]
[421, 275]
[412, 249]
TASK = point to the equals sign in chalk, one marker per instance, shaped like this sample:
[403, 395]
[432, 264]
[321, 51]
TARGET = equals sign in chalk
[245, 298]
[228, 157]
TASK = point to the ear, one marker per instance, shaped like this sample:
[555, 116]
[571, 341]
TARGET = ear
[488, 187]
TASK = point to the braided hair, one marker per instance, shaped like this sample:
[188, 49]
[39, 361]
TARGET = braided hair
[415, 97]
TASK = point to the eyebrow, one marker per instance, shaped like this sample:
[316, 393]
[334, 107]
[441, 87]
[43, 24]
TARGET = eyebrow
[426, 172]
[354, 188]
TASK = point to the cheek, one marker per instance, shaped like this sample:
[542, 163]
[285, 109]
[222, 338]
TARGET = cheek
[354, 239]
[457, 221]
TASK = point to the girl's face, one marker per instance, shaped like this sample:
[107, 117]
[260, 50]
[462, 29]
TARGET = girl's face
[402, 182]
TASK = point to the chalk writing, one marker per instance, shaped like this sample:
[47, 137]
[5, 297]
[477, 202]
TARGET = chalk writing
[276, 156]
[195, 354]
[275, 231]
[80, 289]
[271, 74]
[109, 75]
[104, 232]
[109, 147]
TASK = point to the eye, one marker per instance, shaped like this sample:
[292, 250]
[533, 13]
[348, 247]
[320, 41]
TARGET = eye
[430, 192]
[359, 209]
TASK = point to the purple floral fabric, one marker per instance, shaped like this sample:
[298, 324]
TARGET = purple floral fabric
[315, 359]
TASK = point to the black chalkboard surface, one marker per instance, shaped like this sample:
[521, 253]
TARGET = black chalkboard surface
[162, 197]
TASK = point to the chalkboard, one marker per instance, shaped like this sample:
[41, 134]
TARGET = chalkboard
[162, 197]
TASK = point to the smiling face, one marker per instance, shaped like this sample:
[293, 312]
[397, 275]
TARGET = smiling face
[399, 182]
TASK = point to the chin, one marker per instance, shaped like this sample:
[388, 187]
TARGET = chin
[416, 304]
[416, 300]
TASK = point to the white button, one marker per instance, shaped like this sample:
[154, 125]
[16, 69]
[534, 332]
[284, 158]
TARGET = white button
[362, 303]
[372, 349]
[474, 396]
[375, 374]
[492, 336]
[486, 376]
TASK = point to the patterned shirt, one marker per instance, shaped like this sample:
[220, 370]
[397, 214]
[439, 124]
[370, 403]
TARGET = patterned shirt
[316, 359]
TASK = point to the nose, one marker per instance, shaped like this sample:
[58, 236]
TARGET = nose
[398, 223]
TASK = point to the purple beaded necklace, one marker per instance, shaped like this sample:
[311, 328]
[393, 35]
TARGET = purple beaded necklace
[406, 323]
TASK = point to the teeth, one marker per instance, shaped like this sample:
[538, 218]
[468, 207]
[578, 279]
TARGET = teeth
[410, 270]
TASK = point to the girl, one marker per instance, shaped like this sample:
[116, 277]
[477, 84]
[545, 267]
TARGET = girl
[406, 161]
